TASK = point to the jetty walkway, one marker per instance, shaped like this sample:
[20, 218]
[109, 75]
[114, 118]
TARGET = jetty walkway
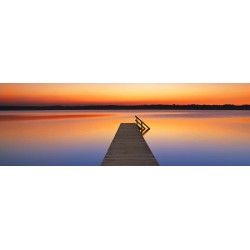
[129, 147]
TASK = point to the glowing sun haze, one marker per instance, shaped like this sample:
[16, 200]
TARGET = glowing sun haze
[124, 94]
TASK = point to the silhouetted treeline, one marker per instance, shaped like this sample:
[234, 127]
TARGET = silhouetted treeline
[132, 107]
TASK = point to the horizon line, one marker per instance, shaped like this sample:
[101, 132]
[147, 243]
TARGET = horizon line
[124, 105]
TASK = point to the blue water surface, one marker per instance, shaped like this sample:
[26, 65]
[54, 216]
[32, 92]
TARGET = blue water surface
[79, 138]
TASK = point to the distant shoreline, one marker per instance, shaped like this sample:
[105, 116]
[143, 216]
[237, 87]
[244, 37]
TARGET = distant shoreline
[130, 107]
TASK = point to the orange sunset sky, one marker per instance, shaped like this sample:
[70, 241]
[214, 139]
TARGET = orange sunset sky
[124, 94]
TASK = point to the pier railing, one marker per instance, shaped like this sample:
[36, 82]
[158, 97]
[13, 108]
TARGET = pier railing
[144, 128]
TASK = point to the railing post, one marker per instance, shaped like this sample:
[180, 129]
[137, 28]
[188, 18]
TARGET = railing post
[142, 125]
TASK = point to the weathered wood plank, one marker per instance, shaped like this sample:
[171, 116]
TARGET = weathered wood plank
[129, 148]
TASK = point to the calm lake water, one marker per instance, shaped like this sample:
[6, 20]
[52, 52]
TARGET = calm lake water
[83, 137]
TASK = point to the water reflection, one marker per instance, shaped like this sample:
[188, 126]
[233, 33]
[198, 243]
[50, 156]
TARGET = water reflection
[18, 117]
[83, 137]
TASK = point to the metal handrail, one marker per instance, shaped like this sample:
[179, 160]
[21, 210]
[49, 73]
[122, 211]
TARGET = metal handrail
[142, 125]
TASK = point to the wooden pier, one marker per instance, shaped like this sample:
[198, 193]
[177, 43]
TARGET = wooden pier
[129, 148]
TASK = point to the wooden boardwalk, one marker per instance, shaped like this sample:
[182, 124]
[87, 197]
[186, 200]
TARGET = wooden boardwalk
[129, 148]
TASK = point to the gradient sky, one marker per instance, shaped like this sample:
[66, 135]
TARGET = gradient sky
[124, 94]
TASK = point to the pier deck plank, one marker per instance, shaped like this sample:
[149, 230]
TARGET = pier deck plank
[129, 148]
